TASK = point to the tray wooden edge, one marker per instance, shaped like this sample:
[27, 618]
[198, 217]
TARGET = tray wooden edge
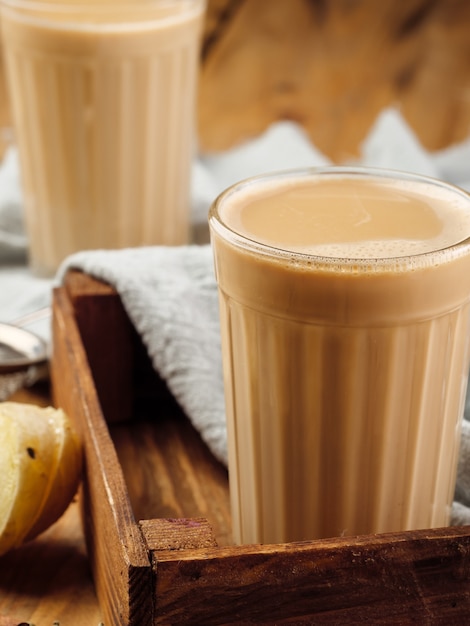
[118, 556]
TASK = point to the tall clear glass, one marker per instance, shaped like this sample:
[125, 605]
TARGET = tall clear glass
[103, 96]
[345, 318]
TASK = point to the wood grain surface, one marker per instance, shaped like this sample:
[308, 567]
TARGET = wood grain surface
[116, 551]
[170, 472]
[419, 577]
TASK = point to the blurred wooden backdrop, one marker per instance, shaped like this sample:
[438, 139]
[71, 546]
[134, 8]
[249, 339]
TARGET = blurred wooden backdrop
[333, 65]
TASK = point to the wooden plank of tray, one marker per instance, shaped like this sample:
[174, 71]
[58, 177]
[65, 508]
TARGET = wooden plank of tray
[414, 577]
[86, 383]
[118, 557]
[171, 570]
[171, 474]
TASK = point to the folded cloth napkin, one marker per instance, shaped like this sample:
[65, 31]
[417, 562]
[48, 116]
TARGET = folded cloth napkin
[170, 295]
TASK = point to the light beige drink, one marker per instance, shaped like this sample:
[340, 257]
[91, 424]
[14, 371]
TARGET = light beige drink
[103, 98]
[345, 346]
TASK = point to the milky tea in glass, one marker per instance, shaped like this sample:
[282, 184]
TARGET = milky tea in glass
[103, 101]
[344, 308]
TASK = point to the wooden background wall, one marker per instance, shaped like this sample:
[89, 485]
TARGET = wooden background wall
[333, 65]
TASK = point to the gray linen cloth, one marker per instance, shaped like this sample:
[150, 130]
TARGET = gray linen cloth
[170, 295]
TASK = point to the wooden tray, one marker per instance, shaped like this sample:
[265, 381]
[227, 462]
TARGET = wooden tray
[156, 512]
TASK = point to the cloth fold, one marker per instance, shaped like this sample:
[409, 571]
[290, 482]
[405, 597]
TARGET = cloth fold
[170, 295]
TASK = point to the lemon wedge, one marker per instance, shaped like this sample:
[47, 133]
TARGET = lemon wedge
[40, 470]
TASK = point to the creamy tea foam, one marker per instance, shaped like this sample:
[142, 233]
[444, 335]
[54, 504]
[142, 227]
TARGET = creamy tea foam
[350, 218]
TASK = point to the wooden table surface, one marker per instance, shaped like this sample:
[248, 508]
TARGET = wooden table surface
[48, 580]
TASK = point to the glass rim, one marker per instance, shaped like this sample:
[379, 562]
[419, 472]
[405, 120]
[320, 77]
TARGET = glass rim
[64, 13]
[63, 5]
[420, 259]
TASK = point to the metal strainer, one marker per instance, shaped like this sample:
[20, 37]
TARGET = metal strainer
[23, 354]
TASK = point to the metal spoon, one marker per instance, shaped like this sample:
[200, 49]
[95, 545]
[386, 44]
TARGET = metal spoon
[20, 348]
